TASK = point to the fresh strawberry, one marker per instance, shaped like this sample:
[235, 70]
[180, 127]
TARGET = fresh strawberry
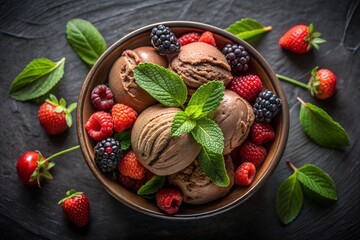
[53, 115]
[131, 167]
[189, 38]
[245, 174]
[99, 126]
[248, 86]
[169, 200]
[322, 83]
[250, 152]
[208, 37]
[76, 207]
[300, 38]
[123, 117]
[262, 133]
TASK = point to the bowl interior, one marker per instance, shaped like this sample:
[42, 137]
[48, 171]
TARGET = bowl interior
[99, 74]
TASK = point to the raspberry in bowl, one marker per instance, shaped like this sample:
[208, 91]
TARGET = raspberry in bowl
[148, 151]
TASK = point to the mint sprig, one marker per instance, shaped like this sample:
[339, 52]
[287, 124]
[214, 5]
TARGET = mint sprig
[124, 139]
[182, 124]
[247, 28]
[152, 186]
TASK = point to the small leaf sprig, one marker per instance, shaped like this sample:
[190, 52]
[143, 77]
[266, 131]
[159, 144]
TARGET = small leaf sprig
[247, 28]
[309, 180]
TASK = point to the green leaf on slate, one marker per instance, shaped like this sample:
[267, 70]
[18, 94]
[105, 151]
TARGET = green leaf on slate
[85, 39]
[213, 165]
[37, 79]
[152, 186]
[162, 84]
[289, 199]
[317, 181]
[181, 124]
[208, 134]
[247, 28]
[321, 128]
[124, 139]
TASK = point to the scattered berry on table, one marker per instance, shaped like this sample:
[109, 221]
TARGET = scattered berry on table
[107, 155]
[99, 126]
[169, 200]
[251, 152]
[123, 117]
[131, 167]
[237, 57]
[189, 38]
[322, 83]
[266, 106]
[102, 97]
[164, 40]
[262, 133]
[245, 174]
[248, 86]
[208, 37]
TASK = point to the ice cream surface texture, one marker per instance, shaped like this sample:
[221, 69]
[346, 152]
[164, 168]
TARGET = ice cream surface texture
[121, 77]
[155, 148]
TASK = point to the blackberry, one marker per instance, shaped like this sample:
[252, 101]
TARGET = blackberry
[237, 57]
[107, 155]
[164, 40]
[266, 106]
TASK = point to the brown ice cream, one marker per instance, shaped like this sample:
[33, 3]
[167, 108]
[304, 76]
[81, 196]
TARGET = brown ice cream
[235, 117]
[155, 148]
[196, 187]
[121, 77]
[198, 63]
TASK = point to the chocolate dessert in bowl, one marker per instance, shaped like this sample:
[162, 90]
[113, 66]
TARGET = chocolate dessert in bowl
[166, 120]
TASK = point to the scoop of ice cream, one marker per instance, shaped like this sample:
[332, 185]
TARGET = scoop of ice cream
[235, 117]
[196, 187]
[121, 77]
[155, 148]
[198, 63]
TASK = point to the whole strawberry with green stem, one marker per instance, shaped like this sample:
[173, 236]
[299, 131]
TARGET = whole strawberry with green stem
[322, 83]
[54, 116]
[301, 38]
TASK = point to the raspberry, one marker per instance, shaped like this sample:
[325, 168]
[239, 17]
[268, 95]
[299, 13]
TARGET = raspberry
[131, 167]
[245, 174]
[107, 155]
[189, 38]
[248, 87]
[208, 37]
[99, 126]
[266, 106]
[250, 152]
[169, 200]
[164, 40]
[262, 133]
[102, 97]
[130, 183]
[123, 117]
[237, 57]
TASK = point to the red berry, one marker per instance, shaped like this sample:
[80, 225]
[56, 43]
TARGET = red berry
[189, 38]
[99, 126]
[131, 167]
[250, 152]
[76, 207]
[102, 97]
[245, 174]
[208, 37]
[169, 200]
[123, 117]
[262, 133]
[248, 86]
[322, 83]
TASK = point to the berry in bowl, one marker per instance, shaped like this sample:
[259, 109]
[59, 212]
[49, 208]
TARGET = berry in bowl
[182, 120]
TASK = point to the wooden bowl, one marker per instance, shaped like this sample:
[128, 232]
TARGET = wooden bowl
[99, 74]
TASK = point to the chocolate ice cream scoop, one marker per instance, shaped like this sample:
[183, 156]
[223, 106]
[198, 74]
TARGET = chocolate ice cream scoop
[121, 77]
[196, 187]
[155, 148]
[235, 117]
[198, 63]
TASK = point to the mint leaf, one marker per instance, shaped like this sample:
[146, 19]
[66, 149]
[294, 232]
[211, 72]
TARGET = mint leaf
[321, 128]
[317, 180]
[152, 186]
[247, 28]
[181, 124]
[124, 139]
[208, 134]
[164, 85]
[85, 39]
[213, 165]
[208, 96]
[37, 79]
[194, 111]
[289, 199]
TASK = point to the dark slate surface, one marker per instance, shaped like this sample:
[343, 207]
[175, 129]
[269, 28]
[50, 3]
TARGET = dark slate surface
[33, 29]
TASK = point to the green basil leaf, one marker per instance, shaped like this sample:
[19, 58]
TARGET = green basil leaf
[247, 28]
[37, 79]
[181, 124]
[152, 186]
[124, 139]
[85, 39]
